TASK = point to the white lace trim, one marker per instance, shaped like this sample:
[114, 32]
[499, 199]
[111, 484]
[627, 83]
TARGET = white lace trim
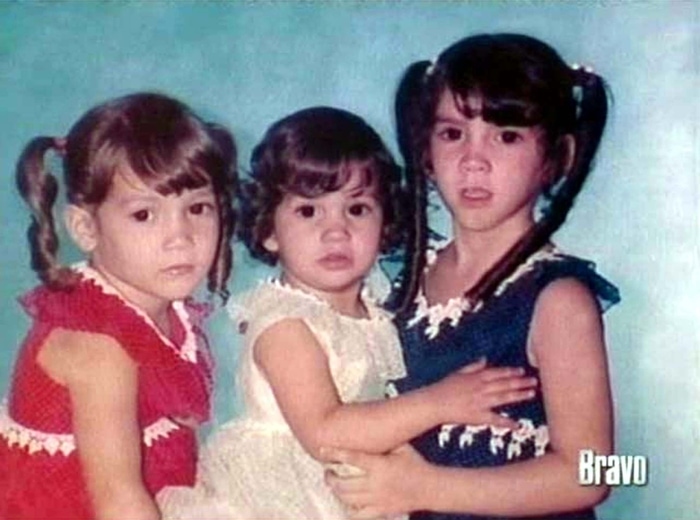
[160, 429]
[238, 311]
[526, 432]
[453, 309]
[188, 350]
[35, 441]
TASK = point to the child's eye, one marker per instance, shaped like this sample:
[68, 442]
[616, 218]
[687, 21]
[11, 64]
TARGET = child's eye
[359, 209]
[510, 137]
[449, 133]
[305, 211]
[202, 208]
[142, 215]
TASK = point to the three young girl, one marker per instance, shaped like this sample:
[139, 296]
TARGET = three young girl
[114, 374]
[323, 202]
[498, 124]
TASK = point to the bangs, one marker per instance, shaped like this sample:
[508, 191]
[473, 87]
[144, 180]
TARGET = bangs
[514, 88]
[314, 180]
[173, 166]
[499, 107]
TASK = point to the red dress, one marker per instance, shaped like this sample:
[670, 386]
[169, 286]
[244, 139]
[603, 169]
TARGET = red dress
[40, 474]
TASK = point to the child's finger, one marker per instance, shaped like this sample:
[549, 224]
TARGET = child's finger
[357, 460]
[511, 396]
[510, 384]
[502, 422]
[343, 469]
[342, 486]
[330, 454]
[365, 513]
[473, 367]
[496, 373]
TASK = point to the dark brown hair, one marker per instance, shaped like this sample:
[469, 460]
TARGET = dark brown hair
[160, 139]
[309, 153]
[519, 81]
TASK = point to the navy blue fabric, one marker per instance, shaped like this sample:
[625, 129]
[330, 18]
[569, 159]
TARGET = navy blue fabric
[498, 332]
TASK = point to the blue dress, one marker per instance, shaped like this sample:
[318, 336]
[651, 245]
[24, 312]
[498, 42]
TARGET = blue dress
[440, 339]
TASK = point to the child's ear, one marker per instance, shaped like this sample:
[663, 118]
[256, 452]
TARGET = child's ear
[569, 145]
[271, 243]
[562, 161]
[81, 226]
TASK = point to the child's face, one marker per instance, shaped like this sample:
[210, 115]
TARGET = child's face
[154, 248]
[328, 244]
[489, 176]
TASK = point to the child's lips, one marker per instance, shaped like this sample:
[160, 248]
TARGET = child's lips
[476, 196]
[335, 261]
[179, 270]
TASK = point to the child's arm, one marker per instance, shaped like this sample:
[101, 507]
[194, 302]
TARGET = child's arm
[297, 369]
[102, 382]
[567, 341]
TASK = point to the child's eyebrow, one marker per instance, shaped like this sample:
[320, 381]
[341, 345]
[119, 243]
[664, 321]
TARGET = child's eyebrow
[363, 191]
[441, 118]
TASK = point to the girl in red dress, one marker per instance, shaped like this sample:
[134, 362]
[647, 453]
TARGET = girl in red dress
[114, 374]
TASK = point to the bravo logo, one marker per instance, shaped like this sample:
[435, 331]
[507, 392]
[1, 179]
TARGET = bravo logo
[612, 470]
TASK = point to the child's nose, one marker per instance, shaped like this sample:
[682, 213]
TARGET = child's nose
[336, 227]
[474, 159]
[179, 231]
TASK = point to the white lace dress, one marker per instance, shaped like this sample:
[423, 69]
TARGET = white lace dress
[254, 467]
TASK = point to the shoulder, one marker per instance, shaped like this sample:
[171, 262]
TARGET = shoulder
[550, 269]
[271, 302]
[71, 356]
[566, 318]
[288, 334]
[566, 295]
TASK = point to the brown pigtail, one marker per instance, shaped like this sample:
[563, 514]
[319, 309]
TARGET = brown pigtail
[39, 189]
[225, 194]
[413, 140]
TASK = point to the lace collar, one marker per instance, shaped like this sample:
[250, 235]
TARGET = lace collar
[374, 310]
[453, 309]
[188, 349]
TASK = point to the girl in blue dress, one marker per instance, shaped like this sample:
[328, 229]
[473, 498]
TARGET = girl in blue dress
[504, 130]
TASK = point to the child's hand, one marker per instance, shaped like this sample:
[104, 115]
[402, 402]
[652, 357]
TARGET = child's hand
[470, 394]
[381, 485]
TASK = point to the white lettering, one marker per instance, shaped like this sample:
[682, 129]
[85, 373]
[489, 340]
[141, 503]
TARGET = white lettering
[612, 475]
[611, 470]
[639, 474]
[585, 467]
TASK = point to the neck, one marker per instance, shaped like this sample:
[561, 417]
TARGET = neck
[155, 308]
[478, 251]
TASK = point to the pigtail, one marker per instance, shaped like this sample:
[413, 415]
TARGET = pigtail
[226, 188]
[588, 131]
[412, 140]
[39, 188]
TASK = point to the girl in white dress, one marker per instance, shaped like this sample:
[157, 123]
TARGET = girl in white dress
[324, 200]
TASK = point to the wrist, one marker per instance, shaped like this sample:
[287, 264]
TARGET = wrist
[431, 407]
[427, 494]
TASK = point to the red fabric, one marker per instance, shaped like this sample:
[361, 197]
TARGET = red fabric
[39, 485]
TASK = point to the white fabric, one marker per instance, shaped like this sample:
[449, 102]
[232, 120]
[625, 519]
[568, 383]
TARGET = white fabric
[254, 467]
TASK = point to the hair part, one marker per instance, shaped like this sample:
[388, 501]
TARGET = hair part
[155, 136]
[520, 81]
[310, 153]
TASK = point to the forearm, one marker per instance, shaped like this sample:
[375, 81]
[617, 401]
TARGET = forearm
[543, 485]
[376, 426]
[116, 502]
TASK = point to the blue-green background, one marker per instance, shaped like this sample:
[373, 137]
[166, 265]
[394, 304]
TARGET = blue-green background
[245, 64]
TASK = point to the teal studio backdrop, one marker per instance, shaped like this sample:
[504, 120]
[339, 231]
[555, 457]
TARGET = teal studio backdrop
[245, 64]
